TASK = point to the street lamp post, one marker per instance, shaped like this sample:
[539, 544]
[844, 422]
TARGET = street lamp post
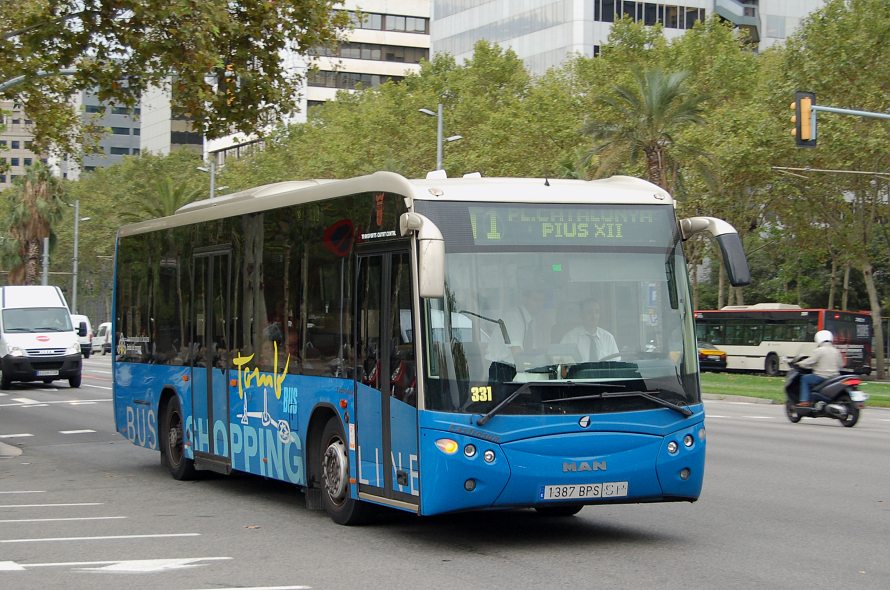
[439, 139]
[77, 221]
[212, 168]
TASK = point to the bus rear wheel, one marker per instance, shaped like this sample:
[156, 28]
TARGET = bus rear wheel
[172, 445]
[334, 471]
[771, 366]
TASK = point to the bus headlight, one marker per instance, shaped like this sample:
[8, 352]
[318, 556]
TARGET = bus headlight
[73, 348]
[16, 351]
[447, 445]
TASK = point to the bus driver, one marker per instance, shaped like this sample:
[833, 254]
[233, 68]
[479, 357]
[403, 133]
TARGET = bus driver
[594, 343]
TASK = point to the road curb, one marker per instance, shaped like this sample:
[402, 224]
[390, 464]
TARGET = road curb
[9, 451]
[740, 398]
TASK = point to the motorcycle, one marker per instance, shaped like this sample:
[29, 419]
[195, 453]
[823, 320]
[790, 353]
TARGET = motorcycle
[836, 397]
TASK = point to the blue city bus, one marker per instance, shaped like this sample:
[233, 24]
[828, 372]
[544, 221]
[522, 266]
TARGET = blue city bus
[360, 339]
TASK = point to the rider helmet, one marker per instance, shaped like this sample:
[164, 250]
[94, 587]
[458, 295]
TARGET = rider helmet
[823, 336]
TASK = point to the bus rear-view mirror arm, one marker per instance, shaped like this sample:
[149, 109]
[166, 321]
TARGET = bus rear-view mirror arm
[731, 249]
[430, 253]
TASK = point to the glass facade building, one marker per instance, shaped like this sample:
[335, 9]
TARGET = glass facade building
[544, 33]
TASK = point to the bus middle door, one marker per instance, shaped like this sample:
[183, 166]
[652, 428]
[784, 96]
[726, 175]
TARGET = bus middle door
[386, 380]
[211, 338]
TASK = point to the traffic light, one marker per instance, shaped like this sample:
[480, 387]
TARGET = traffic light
[804, 119]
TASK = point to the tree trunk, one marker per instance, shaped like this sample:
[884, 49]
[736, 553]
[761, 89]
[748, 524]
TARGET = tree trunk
[32, 262]
[875, 302]
[846, 293]
[720, 279]
[832, 284]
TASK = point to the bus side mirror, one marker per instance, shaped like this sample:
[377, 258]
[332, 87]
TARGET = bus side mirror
[430, 253]
[731, 249]
[82, 329]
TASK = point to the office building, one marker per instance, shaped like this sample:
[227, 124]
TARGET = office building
[387, 44]
[545, 33]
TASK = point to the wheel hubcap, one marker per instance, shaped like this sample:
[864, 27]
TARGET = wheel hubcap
[334, 465]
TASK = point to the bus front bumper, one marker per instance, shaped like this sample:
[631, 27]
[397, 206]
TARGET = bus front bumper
[570, 468]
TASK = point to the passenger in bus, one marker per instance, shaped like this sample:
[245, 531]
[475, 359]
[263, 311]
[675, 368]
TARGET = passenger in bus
[520, 324]
[593, 342]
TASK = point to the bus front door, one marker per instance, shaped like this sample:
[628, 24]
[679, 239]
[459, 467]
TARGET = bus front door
[211, 337]
[386, 402]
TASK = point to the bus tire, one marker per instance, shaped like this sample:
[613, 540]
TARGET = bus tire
[172, 443]
[74, 381]
[334, 477]
[5, 382]
[560, 510]
[771, 366]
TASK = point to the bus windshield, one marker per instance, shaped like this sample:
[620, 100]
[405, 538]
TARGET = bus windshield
[575, 323]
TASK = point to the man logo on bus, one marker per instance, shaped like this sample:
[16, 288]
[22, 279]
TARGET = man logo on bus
[574, 466]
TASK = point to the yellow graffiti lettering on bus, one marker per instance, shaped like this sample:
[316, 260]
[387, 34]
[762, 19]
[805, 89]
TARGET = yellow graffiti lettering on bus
[248, 376]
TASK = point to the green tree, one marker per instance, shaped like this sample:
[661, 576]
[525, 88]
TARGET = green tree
[224, 57]
[646, 119]
[169, 195]
[839, 53]
[36, 205]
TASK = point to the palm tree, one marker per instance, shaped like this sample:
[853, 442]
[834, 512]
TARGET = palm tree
[37, 204]
[169, 197]
[649, 115]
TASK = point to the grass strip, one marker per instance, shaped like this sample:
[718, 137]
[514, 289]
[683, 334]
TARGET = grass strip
[773, 387]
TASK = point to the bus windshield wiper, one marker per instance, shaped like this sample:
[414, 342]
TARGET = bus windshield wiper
[526, 388]
[649, 396]
[645, 394]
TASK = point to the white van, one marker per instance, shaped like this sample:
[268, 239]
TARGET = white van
[86, 341]
[38, 342]
[102, 338]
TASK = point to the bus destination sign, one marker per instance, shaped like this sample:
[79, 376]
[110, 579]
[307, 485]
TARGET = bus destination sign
[603, 225]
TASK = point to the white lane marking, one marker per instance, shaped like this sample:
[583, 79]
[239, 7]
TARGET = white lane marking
[84, 431]
[81, 403]
[63, 401]
[49, 505]
[126, 566]
[3, 394]
[24, 492]
[264, 588]
[102, 538]
[25, 400]
[759, 417]
[22, 435]
[63, 519]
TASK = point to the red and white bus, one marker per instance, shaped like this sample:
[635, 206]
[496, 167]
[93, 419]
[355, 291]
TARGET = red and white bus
[761, 337]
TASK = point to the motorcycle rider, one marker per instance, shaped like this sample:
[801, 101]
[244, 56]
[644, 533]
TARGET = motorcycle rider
[826, 362]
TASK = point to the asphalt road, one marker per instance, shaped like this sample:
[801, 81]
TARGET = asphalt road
[784, 506]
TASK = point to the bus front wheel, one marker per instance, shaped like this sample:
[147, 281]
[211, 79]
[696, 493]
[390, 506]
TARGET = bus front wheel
[559, 509]
[172, 446]
[334, 470]
[772, 365]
